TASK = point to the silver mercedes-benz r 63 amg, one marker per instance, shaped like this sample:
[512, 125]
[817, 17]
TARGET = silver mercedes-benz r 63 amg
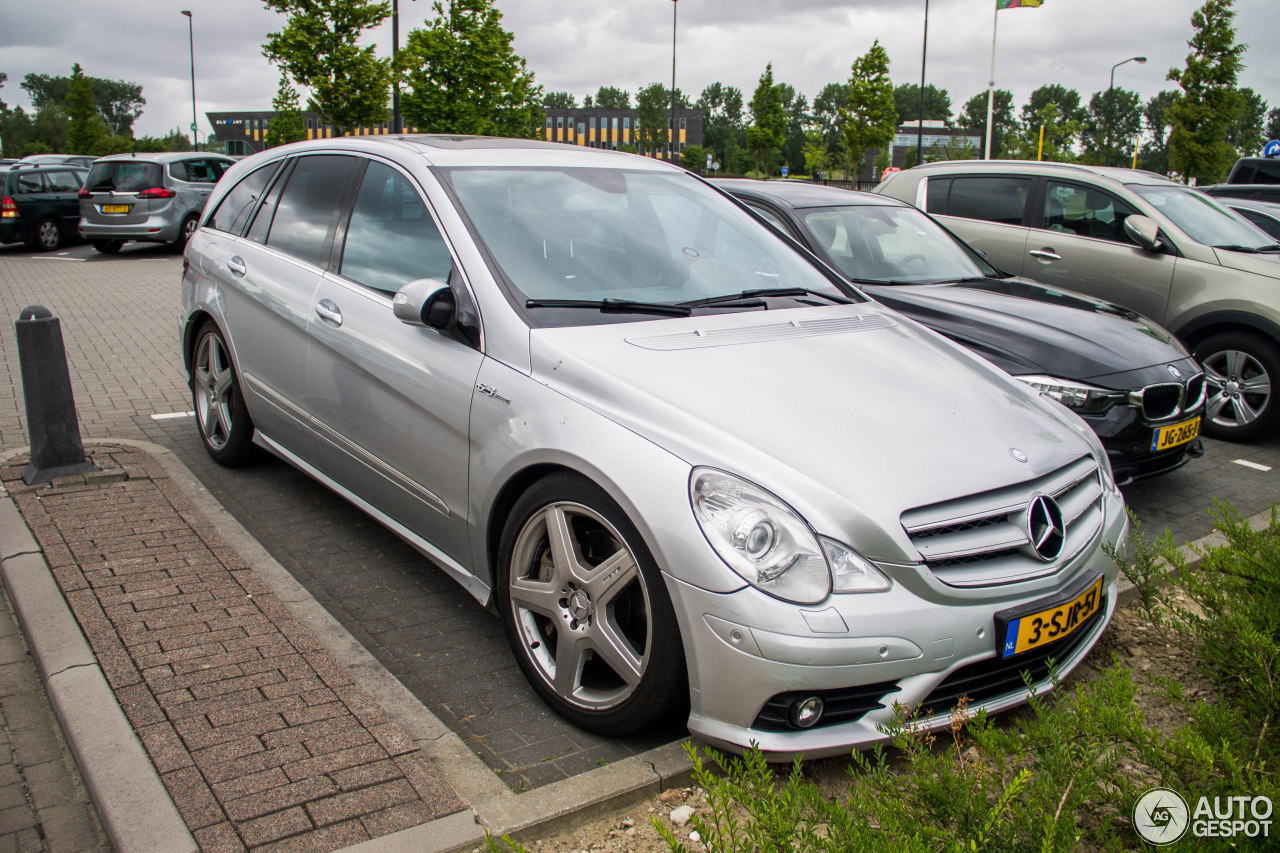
[692, 469]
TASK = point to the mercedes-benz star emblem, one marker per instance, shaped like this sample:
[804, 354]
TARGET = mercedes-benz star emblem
[1045, 525]
[1174, 372]
[1017, 454]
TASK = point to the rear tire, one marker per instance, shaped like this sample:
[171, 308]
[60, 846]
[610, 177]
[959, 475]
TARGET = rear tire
[47, 236]
[586, 610]
[1243, 372]
[221, 416]
[189, 226]
[108, 247]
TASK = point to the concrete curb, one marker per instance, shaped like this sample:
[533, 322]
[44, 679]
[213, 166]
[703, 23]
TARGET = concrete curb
[133, 805]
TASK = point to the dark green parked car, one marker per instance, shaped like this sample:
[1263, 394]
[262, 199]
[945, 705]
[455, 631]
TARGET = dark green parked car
[39, 205]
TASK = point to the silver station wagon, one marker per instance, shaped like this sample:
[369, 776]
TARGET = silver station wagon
[691, 468]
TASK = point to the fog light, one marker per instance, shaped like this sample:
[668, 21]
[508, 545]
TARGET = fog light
[806, 712]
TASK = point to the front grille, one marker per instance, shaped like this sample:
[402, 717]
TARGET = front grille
[996, 677]
[845, 705]
[985, 539]
[1161, 401]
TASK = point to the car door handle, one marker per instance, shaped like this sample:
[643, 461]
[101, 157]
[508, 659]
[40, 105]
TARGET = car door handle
[1045, 254]
[327, 309]
[237, 267]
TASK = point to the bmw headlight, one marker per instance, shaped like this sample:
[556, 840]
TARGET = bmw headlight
[769, 545]
[1076, 396]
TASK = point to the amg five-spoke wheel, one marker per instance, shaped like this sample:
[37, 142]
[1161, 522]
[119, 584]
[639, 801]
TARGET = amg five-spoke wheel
[586, 610]
[221, 416]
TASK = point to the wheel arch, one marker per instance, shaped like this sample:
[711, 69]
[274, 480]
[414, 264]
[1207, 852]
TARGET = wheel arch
[1207, 325]
[196, 319]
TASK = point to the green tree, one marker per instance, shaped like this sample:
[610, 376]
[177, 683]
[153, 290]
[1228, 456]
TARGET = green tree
[609, 98]
[767, 130]
[1109, 127]
[870, 120]
[16, 130]
[1066, 100]
[86, 129]
[1203, 112]
[652, 117]
[974, 118]
[826, 119]
[906, 100]
[288, 124]
[464, 77]
[119, 102]
[319, 47]
[1154, 154]
[694, 158]
[1059, 135]
[4, 108]
[722, 128]
[796, 109]
[559, 101]
[1246, 133]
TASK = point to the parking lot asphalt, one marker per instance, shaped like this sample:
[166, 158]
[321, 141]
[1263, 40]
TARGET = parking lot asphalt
[119, 318]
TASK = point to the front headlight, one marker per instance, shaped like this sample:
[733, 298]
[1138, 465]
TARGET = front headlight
[1076, 396]
[770, 546]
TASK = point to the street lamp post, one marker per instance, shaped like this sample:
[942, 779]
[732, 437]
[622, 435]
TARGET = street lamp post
[191, 41]
[396, 126]
[671, 135]
[1111, 107]
[924, 52]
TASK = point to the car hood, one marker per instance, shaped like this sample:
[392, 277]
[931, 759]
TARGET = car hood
[1027, 328]
[852, 414]
[1267, 264]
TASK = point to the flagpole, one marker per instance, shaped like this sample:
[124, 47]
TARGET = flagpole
[991, 85]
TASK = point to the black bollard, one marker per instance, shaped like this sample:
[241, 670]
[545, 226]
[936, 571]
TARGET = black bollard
[56, 449]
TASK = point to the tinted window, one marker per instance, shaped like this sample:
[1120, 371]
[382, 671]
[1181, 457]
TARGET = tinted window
[391, 239]
[770, 217]
[308, 206]
[62, 182]
[994, 199]
[195, 171]
[29, 182]
[127, 176]
[235, 209]
[1086, 211]
[1266, 223]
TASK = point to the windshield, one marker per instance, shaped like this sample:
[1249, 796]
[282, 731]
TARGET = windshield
[594, 235]
[1203, 218]
[881, 244]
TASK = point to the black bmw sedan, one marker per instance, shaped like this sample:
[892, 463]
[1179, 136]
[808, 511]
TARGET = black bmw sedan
[1127, 377]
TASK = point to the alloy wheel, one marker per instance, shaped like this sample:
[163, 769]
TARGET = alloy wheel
[214, 387]
[581, 606]
[1239, 388]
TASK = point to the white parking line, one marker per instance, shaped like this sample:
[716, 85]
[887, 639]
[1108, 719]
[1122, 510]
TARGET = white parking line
[1254, 465]
[51, 258]
[171, 415]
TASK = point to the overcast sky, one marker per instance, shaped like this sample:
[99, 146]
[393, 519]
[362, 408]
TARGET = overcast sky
[579, 45]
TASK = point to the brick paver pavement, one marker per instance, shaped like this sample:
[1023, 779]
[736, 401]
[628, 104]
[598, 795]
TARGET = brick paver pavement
[262, 739]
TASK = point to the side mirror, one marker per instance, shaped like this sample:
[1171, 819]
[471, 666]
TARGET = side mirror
[1144, 231]
[421, 302]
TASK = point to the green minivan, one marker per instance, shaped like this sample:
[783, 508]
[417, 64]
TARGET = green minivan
[39, 205]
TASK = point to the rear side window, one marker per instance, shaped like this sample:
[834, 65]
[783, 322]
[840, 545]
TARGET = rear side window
[62, 182]
[195, 171]
[308, 206]
[29, 182]
[392, 239]
[993, 199]
[123, 176]
[238, 205]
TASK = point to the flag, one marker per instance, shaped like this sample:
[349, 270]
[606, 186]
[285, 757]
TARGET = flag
[1018, 4]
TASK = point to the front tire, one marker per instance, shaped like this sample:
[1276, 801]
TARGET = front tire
[221, 416]
[586, 610]
[1243, 370]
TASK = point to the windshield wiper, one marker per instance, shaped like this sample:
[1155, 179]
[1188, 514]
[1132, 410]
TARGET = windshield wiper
[1253, 250]
[765, 291]
[619, 306]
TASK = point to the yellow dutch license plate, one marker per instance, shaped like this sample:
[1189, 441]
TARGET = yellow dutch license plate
[1028, 631]
[115, 208]
[1175, 434]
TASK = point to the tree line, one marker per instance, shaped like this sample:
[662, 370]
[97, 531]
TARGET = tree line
[459, 74]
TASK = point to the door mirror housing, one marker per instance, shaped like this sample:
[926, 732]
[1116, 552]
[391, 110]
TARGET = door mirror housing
[418, 300]
[1144, 231]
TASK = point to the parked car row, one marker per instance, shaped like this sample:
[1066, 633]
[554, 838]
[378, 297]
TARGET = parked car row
[50, 199]
[694, 468]
[1159, 248]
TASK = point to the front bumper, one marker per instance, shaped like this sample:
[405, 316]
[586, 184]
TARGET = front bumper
[745, 649]
[1127, 438]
